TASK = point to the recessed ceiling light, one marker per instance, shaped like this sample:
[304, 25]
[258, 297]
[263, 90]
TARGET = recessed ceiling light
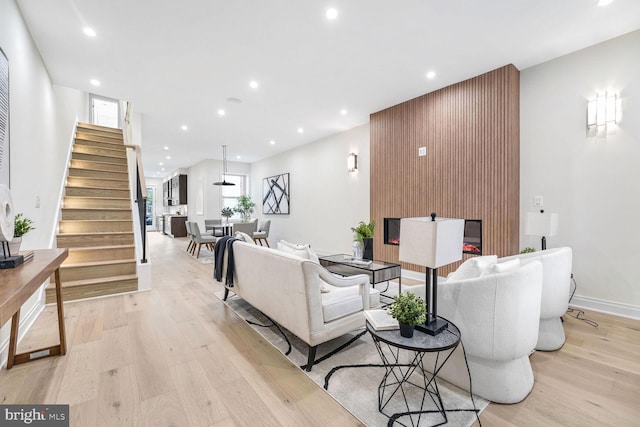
[162, 169]
[300, 130]
[272, 142]
[168, 157]
[343, 112]
[89, 32]
[221, 112]
[160, 164]
[604, 2]
[431, 74]
[253, 84]
[184, 127]
[95, 82]
[238, 157]
[332, 13]
[166, 148]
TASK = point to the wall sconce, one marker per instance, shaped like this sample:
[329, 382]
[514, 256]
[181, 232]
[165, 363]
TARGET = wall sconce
[352, 162]
[602, 110]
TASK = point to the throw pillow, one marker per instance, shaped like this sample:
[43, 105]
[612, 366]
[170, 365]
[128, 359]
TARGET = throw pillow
[303, 251]
[244, 237]
[473, 267]
[503, 267]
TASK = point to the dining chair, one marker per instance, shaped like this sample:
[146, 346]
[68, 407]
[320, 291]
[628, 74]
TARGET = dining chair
[189, 236]
[262, 234]
[200, 240]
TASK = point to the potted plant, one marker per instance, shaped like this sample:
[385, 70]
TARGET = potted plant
[227, 213]
[409, 310]
[244, 207]
[22, 226]
[527, 250]
[363, 239]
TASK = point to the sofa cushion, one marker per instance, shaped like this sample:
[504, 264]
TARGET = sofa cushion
[303, 251]
[339, 304]
[244, 237]
[473, 267]
[505, 266]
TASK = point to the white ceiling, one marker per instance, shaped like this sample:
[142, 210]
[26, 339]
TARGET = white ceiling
[178, 62]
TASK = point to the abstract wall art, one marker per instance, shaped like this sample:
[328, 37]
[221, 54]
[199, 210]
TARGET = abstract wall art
[275, 194]
[4, 119]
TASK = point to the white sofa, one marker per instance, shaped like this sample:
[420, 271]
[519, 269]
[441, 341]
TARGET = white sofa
[556, 285]
[497, 314]
[287, 289]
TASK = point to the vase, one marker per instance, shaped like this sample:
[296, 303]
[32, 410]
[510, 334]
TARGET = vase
[368, 248]
[14, 245]
[406, 330]
[358, 249]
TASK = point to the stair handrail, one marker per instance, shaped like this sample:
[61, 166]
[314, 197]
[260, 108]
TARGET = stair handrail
[141, 192]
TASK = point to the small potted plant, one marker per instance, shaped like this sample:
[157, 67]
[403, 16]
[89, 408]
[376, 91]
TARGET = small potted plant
[22, 226]
[227, 213]
[409, 310]
[527, 250]
[363, 239]
[244, 207]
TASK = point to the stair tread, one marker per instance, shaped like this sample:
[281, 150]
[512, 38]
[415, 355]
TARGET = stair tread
[89, 248]
[96, 197]
[101, 179]
[95, 233]
[95, 188]
[97, 209]
[103, 262]
[84, 125]
[73, 283]
[84, 221]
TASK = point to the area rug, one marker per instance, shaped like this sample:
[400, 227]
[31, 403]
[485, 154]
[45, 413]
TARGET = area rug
[353, 374]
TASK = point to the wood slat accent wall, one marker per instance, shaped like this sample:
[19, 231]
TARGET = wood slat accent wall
[472, 168]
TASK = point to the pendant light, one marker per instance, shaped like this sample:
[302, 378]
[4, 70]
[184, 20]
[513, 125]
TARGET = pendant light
[224, 168]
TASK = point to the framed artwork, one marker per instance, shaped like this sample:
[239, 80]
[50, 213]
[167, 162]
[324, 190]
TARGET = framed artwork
[4, 119]
[275, 194]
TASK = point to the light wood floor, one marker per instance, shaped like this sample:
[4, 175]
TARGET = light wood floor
[176, 356]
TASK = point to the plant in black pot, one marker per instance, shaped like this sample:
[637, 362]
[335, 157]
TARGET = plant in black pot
[409, 310]
[363, 233]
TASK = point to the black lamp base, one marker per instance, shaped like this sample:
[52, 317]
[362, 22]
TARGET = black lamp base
[434, 327]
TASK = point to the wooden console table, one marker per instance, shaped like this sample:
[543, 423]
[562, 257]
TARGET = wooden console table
[17, 285]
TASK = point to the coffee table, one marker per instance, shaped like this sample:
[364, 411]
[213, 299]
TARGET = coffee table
[378, 271]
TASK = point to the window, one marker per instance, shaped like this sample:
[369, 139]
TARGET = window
[230, 193]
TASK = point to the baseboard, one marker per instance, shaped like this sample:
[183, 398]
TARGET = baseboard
[26, 324]
[603, 306]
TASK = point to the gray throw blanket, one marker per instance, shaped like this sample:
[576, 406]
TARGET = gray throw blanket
[224, 245]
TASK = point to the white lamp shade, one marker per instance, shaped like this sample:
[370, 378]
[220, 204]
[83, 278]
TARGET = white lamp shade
[541, 224]
[431, 243]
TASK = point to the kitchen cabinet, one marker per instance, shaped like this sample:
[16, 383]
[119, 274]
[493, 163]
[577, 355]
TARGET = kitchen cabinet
[175, 225]
[174, 191]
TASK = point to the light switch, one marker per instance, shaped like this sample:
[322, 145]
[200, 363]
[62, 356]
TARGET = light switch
[537, 201]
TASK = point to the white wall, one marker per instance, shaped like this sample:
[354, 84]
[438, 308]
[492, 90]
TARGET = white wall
[201, 177]
[590, 180]
[42, 119]
[326, 200]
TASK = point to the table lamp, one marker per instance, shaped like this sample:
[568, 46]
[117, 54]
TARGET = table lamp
[541, 224]
[431, 243]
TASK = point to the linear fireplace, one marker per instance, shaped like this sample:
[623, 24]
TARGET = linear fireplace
[472, 241]
[392, 231]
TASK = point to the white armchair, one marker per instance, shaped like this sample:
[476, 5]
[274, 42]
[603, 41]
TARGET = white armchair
[497, 314]
[556, 285]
